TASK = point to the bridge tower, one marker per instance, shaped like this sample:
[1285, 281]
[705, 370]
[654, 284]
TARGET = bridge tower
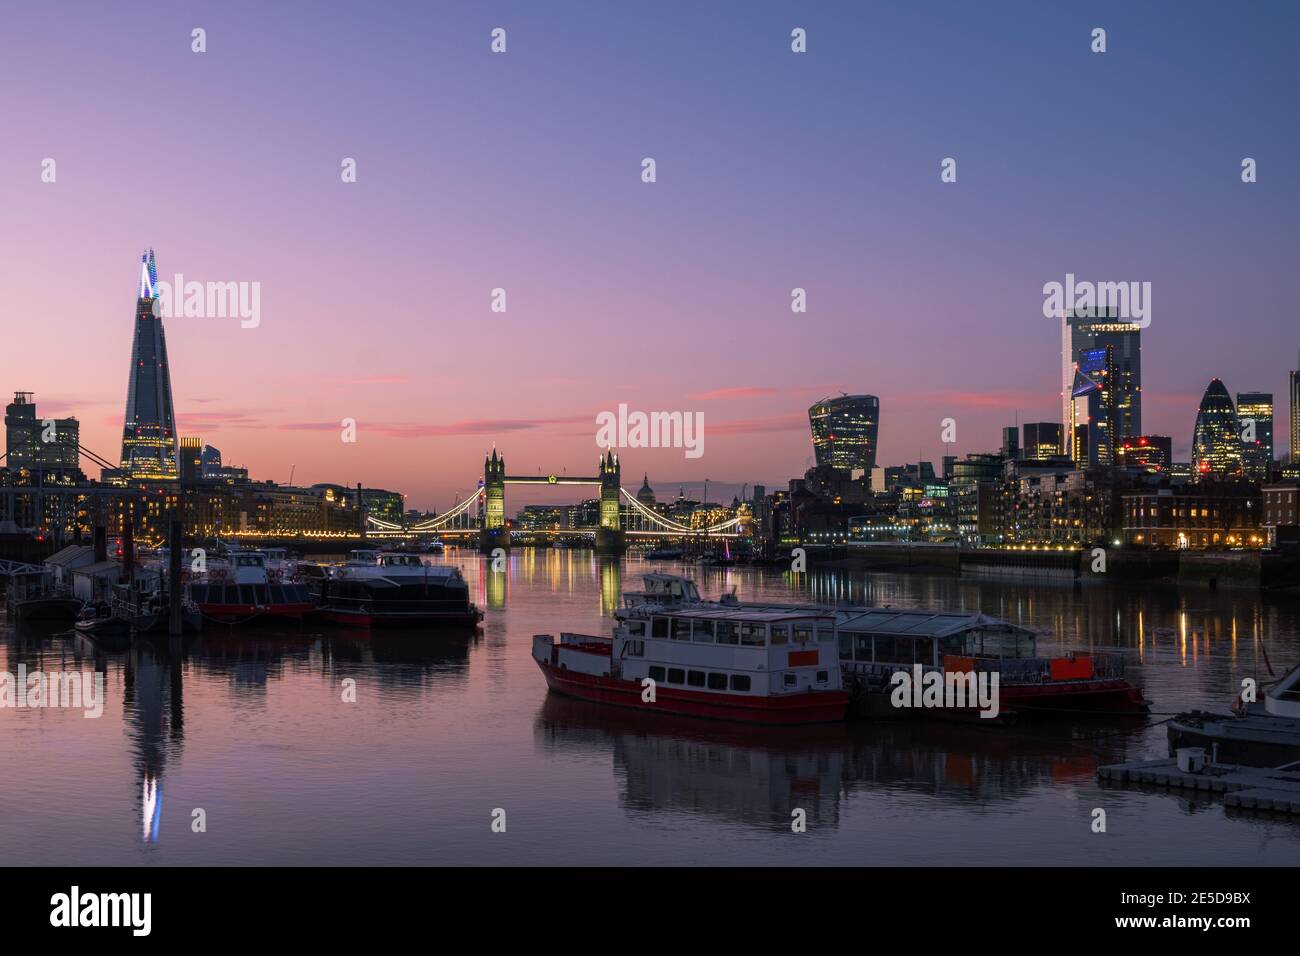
[494, 534]
[609, 536]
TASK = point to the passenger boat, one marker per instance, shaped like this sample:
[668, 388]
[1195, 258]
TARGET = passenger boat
[712, 660]
[396, 589]
[242, 590]
[1263, 733]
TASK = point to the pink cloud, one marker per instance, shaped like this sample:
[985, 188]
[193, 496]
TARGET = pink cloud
[743, 391]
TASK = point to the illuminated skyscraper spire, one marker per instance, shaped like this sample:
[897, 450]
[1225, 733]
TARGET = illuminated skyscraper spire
[148, 276]
[149, 427]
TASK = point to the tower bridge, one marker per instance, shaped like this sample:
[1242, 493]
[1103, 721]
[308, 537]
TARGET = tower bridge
[482, 515]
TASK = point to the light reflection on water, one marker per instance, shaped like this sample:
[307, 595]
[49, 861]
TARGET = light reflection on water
[251, 726]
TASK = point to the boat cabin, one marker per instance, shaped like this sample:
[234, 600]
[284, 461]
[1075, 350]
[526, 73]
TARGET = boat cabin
[1283, 698]
[362, 558]
[664, 589]
[248, 567]
[727, 649]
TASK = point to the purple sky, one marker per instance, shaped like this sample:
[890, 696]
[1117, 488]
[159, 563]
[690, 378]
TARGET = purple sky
[522, 171]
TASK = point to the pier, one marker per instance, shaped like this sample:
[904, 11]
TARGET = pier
[1244, 788]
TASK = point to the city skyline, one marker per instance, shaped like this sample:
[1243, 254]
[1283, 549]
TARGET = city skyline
[704, 259]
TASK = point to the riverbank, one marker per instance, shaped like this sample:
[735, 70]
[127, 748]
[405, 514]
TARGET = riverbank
[1250, 570]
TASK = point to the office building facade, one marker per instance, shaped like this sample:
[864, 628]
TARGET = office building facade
[844, 432]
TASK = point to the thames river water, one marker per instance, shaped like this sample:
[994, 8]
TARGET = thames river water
[248, 734]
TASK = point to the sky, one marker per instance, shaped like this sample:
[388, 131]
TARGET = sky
[522, 171]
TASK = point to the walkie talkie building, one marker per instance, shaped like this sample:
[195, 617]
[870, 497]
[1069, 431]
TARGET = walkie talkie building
[149, 428]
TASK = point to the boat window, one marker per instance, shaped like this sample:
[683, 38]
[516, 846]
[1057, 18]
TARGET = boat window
[717, 681]
[636, 628]
[752, 635]
[702, 631]
[779, 633]
[924, 650]
[802, 633]
[695, 678]
[656, 673]
[681, 628]
[727, 632]
[823, 677]
[892, 650]
[676, 675]
[825, 633]
[846, 646]
[659, 627]
[789, 680]
[740, 682]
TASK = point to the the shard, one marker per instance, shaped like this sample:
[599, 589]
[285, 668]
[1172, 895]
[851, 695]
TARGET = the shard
[149, 428]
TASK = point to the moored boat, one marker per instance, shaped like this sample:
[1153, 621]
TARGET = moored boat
[396, 590]
[98, 622]
[699, 660]
[1262, 733]
[242, 591]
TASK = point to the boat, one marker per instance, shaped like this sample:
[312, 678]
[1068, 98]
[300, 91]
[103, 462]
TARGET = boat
[398, 589]
[97, 621]
[703, 659]
[362, 558]
[664, 554]
[435, 547]
[1263, 733]
[877, 643]
[243, 590]
[142, 604]
[33, 596]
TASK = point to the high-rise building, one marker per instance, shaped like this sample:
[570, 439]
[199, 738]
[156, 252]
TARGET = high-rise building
[1216, 440]
[191, 459]
[211, 459]
[1115, 345]
[1011, 443]
[1042, 440]
[844, 431]
[1153, 453]
[39, 444]
[1255, 418]
[149, 428]
[1295, 418]
[1095, 406]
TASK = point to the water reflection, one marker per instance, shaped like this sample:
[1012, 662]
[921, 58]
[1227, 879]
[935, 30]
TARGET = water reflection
[750, 775]
[446, 718]
[154, 710]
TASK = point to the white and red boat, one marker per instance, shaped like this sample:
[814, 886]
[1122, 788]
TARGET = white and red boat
[240, 590]
[716, 660]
